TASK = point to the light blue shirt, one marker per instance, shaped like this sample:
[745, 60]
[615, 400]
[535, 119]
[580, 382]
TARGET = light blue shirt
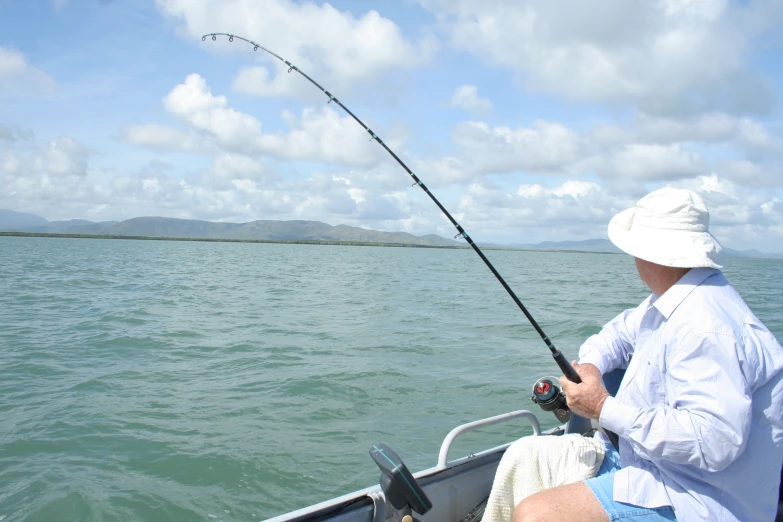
[700, 409]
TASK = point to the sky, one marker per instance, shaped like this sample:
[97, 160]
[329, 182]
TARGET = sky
[531, 121]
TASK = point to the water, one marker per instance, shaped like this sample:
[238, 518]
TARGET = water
[146, 380]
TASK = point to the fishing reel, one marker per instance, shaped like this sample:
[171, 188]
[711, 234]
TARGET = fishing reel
[548, 394]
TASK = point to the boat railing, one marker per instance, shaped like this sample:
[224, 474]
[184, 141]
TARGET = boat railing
[443, 456]
[337, 508]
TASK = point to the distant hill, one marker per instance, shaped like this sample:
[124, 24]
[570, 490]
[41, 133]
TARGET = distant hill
[752, 254]
[195, 229]
[607, 247]
[297, 230]
[12, 221]
[77, 226]
[603, 246]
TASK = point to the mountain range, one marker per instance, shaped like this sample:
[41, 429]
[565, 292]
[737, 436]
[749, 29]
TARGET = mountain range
[298, 230]
[604, 246]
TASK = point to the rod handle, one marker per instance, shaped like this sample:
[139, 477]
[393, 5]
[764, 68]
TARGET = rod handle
[565, 366]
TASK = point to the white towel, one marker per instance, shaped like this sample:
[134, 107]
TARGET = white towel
[533, 464]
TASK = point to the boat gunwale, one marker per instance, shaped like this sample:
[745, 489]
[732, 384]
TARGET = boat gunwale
[359, 499]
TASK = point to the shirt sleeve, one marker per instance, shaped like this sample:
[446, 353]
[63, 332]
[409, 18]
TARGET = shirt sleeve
[708, 421]
[613, 346]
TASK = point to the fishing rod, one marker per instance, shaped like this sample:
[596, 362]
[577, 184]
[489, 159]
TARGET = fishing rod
[560, 359]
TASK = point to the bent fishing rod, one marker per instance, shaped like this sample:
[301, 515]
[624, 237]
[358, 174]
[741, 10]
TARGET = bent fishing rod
[560, 359]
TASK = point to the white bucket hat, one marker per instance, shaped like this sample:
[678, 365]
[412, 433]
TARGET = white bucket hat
[668, 227]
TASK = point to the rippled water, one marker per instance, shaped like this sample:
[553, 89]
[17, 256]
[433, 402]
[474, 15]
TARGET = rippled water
[151, 380]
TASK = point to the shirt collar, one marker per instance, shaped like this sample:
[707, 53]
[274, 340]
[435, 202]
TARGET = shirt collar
[671, 299]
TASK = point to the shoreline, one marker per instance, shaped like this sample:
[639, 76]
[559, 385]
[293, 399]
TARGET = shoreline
[286, 241]
[227, 240]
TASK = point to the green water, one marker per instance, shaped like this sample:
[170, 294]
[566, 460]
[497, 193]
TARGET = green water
[146, 380]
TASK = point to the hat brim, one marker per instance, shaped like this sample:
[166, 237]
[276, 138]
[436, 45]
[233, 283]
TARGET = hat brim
[675, 248]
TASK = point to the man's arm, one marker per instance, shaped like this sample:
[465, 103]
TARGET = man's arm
[708, 421]
[613, 346]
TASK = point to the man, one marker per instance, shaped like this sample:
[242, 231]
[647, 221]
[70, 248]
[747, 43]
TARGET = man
[699, 413]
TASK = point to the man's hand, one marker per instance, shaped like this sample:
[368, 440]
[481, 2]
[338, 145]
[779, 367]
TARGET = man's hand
[586, 398]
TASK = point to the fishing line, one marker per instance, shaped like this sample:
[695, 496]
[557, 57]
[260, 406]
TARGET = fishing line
[560, 359]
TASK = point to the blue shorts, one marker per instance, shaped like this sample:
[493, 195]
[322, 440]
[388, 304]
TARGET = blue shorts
[602, 485]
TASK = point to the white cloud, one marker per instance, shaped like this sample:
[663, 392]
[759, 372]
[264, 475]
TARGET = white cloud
[19, 77]
[546, 147]
[534, 213]
[240, 167]
[319, 134]
[648, 149]
[330, 44]
[445, 170]
[576, 189]
[773, 209]
[193, 101]
[50, 173]
[711, 127]
[256, 80]
[740, 215]
[679, 71]
[752, 175]
[481, 150]
[58, 158]
[714, 127]
[164, 138]
[662, 56]
[648, 162]
[55, 178]
[9, 134]
[466, 97]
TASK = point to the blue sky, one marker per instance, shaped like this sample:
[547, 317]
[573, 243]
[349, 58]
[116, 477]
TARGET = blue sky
[531, 121]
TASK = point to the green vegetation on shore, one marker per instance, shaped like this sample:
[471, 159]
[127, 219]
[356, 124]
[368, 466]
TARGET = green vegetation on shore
[289, 242]
[284, 241]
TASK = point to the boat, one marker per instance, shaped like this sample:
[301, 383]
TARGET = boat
[453, 489]
[450, 491]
